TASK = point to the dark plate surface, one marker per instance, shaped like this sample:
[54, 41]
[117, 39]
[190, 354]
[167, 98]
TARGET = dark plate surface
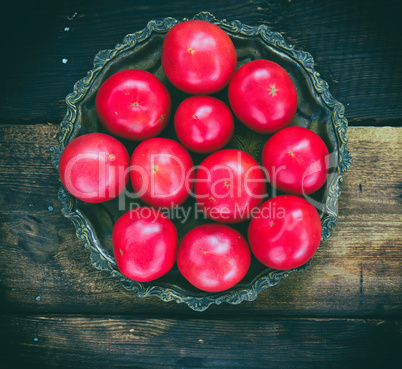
[317, 110]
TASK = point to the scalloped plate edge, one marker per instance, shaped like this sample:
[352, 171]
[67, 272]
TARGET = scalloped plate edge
[68, 130]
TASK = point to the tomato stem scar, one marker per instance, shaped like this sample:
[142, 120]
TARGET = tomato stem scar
[272, 90]
[112, 157]
[155, 169]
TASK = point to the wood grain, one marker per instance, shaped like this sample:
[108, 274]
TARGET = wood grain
[355, 45]
[100, 341]
[356, 272]
[58, 311]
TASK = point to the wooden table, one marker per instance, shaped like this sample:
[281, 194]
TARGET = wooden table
[57, 310]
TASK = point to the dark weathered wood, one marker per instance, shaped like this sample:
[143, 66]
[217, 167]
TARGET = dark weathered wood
[99, 341]
[58, 311]
[356, 46]
[356, 272]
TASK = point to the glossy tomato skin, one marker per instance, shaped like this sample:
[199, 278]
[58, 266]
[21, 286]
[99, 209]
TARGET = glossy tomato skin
[296, 160]
[198, 57]
[229, 184]
[162, 172]
[285, 232]
[203, 124]
[94, 167]
[263, 96]
[144, 244]
[133, 104]
[213, 257]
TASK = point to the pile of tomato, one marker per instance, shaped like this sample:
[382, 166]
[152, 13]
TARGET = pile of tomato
[229, 186]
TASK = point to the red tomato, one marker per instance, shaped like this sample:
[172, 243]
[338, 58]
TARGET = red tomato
[144, 244]
[296, 160]
[198, 57]
[285, 232]
[229, 184]
[213, 257]
[162, 172]
[203, 124]
[263, 96]
[133, 104]
[94, 167]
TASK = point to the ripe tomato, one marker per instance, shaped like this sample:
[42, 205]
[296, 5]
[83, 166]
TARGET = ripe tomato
[263, 96]
[133, 104]
[94, 167]
[229, 184]
[198, 57]
[213, 257]
[285, 232]
[161, 172]
[296, 160]
[203, 124]
[144, 244]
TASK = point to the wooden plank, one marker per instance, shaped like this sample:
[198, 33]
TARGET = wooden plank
[96, 341]
[356, 48]
[356, 272]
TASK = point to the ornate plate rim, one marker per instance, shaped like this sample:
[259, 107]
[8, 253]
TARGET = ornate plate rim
[84, 229]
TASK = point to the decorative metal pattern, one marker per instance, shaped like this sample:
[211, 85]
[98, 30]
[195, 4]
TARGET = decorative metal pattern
[335, 131]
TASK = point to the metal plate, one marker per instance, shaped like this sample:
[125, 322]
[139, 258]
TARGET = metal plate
[317, 110]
